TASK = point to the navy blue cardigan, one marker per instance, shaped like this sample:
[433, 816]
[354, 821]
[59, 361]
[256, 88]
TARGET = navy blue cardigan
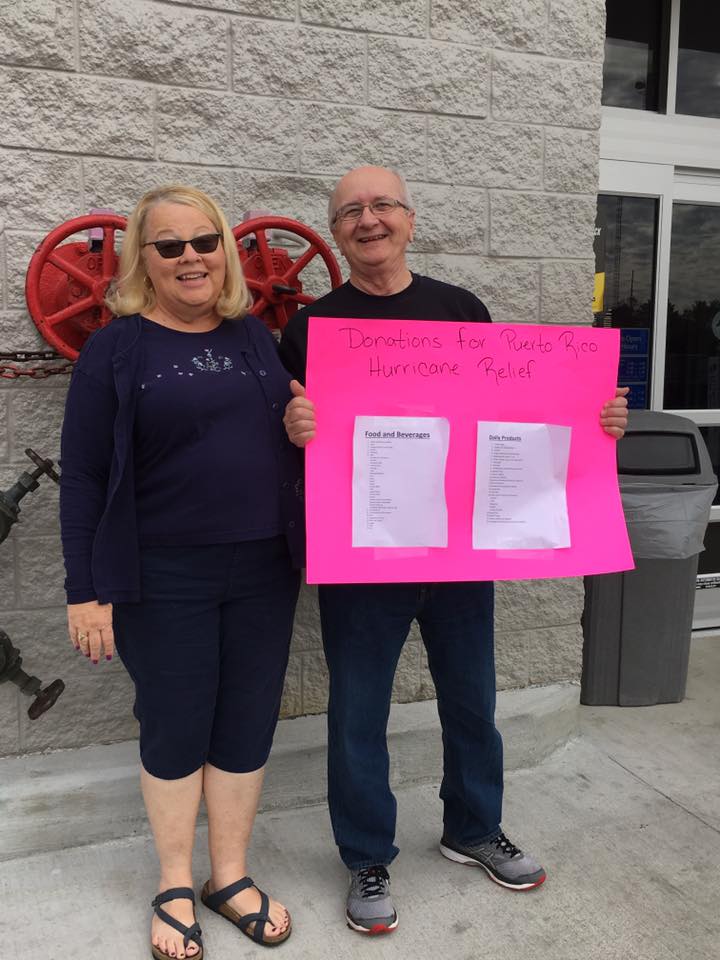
[97, 489]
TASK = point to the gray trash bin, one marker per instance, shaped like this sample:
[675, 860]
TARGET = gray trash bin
[637, 624]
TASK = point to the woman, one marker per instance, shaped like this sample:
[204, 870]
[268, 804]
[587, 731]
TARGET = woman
[181, 511]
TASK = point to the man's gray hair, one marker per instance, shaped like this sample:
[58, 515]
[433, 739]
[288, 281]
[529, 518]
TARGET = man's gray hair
[405, 195]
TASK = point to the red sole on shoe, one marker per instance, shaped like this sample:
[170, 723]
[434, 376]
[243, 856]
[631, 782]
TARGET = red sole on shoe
[374, 931]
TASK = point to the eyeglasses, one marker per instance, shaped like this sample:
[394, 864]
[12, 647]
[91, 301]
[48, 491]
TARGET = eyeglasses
[169, 249]
[381, 206]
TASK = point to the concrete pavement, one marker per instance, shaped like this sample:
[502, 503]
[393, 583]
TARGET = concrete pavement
[625, 818]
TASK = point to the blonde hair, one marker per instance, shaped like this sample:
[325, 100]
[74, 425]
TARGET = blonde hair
[132, 292]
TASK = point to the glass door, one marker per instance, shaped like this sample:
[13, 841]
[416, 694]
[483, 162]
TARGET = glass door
[632, 220]
[625, 263]
[657, 255]
[692, 349]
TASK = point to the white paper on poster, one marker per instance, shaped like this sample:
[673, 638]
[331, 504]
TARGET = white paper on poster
[398, 489]
[520, 486]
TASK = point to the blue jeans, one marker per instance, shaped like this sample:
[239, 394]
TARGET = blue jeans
[364, 628]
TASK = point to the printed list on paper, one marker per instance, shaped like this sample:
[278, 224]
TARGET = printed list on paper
[398, 487]
[520, 486]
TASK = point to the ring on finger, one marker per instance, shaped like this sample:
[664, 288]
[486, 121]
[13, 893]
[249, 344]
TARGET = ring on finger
[82, 636]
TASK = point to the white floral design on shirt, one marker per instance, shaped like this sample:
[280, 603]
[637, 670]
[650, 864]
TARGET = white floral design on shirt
[207, 363]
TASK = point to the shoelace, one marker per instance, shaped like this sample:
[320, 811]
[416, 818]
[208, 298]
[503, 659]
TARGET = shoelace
[372, 881]
[503, 844]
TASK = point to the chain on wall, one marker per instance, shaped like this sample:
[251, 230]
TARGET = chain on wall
[35, 364]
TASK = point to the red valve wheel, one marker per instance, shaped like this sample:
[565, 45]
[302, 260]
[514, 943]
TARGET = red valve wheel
[273, 278]
[66, 283]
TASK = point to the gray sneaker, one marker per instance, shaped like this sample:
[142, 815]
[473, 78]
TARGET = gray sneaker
[369, 903]
[503, 862]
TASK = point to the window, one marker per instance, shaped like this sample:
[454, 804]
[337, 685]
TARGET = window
[698, 76]
[692, 359]
[625, 254]
[631, 70]
[637, 56]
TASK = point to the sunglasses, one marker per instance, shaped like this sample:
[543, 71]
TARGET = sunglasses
[170, 249]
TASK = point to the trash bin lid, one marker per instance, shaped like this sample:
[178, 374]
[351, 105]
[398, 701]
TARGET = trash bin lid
[660, 447]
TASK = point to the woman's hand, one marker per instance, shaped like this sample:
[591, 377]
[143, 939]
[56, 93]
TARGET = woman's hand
[299, 416]
[614, 415]
[90, 629]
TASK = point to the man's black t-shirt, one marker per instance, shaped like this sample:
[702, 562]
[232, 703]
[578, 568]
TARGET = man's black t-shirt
[423, 299]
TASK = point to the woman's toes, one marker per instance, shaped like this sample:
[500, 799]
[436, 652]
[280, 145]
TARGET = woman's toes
[279, 918]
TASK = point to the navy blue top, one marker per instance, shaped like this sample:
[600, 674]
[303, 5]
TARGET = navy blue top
[206, 469]
[248, 471]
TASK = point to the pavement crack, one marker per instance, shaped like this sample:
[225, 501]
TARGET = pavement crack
[662, 793]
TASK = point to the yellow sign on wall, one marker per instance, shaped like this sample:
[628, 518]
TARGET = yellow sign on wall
[598, 301]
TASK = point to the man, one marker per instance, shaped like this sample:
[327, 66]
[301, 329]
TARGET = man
[364, 626]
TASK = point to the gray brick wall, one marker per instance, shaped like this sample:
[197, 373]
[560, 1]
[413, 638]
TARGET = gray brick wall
[492, 112]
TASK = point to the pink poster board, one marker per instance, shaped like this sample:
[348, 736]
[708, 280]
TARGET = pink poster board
[525, 373]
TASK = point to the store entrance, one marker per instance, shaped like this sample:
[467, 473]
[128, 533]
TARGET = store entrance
[657, 280]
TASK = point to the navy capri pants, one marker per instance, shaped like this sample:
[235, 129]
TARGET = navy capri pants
[207, 648]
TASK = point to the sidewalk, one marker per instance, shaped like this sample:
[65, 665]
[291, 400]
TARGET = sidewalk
[625, 818]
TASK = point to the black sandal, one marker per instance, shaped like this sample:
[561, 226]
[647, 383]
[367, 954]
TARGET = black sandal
[217, 902]
[193, 933]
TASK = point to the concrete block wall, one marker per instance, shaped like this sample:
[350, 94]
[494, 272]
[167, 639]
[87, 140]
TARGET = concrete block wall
[491, 111]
